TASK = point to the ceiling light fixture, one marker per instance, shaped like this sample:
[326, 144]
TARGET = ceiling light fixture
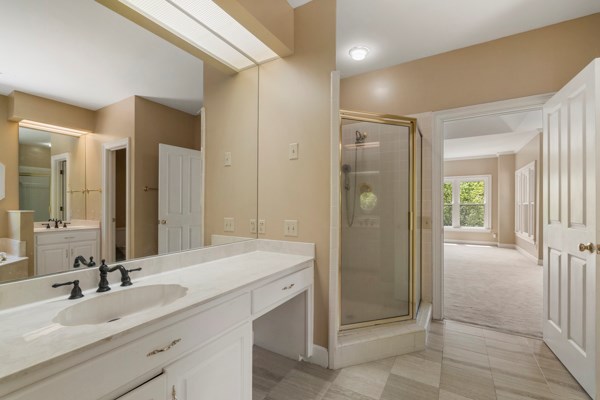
[358, 53]
[51, 128]
[206, 26]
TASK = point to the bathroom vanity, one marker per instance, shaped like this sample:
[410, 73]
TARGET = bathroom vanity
[57, 248]
[179, 333]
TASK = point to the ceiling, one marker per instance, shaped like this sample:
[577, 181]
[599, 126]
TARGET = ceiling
[397, 31]
[79, 52]
[490, 135]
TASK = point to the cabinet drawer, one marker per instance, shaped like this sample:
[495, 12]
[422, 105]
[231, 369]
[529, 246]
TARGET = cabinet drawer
[124, 364]
[272, 293]
[66, 236]
[155, 389]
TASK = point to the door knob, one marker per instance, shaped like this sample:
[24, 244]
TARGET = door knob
[589, 247]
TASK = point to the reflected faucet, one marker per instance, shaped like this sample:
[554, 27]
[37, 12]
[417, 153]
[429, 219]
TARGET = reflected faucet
[81, 260]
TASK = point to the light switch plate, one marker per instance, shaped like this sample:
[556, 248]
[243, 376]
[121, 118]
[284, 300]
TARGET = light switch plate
[228, 159]
[262, 226]
[293, 151]
[290, 227]
[253, 225]
[229, 225]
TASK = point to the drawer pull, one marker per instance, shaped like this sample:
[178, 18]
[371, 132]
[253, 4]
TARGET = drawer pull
[288, 287]
[154, 352]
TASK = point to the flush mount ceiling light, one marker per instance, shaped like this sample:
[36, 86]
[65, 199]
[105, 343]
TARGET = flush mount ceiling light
[206, 26]
[51, 128]
[358, 53]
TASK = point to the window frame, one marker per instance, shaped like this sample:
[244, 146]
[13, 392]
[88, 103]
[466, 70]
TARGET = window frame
[487, 202]
[526, 195]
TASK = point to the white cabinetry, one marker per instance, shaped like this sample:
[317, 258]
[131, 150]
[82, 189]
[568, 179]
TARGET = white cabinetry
[154, 389]
[55, 251]
[221, 370]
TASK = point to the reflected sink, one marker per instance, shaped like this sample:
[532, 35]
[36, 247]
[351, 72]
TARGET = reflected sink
[112, 306]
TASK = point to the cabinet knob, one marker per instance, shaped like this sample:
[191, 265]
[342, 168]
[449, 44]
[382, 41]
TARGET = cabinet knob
[162, 221]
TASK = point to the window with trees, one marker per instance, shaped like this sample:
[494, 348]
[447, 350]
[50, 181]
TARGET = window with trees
[467, 202]
[525, 209]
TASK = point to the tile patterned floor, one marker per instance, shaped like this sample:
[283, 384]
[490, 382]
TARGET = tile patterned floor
[460, 362]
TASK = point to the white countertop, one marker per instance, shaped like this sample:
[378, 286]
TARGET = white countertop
[29, 338]
[52, 229]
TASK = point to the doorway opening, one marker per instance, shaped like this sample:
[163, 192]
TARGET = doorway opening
[116, 219]
[488, 267]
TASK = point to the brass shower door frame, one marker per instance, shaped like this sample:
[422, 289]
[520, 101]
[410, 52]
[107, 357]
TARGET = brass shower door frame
[411, 124]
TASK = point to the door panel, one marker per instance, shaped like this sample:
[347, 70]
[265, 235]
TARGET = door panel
[180, 204]
[570, 219]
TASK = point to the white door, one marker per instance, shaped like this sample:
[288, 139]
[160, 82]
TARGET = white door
[180, 199]
[570, 219]
[221, 370]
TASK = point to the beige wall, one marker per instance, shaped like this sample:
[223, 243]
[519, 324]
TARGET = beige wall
[40, 109]
[294, 107]
[113, 122]
[532, 151]
[231, 113]
[482, 166]
[535, 62]
[506, 199]
[154, 124]
[34, 156]
[9, 156]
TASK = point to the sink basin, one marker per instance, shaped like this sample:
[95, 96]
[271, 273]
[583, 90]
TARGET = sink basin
[110, 307]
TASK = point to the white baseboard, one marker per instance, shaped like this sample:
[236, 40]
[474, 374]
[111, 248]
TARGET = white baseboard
[507, 246]
[477, 242]
[319, 357]
[529, 255]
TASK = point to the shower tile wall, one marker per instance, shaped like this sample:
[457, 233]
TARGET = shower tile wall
[375, 249]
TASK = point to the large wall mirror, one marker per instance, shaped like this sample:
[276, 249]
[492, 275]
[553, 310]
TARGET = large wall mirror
[128, 145]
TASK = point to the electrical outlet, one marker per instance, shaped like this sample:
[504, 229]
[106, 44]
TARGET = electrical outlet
[228, 159]
[229, 225]
[290, 227]
[262, 226]
[252, 226]
[293, 151]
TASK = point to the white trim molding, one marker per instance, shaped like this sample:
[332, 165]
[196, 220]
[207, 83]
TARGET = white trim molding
[531, 103]
[107, 204]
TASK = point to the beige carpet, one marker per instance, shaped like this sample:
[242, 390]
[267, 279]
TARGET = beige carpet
[494, 287]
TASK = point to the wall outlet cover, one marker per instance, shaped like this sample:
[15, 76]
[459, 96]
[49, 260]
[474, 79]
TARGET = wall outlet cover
[228, 159]
[253, 228]
[293, 151]
[262, 226]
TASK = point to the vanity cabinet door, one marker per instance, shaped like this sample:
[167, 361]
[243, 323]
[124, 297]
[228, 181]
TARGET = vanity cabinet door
[221, 370]
[155, 389]
[52, 258]
[85, 248]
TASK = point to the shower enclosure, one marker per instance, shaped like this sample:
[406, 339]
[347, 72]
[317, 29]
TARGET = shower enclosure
[380, 252]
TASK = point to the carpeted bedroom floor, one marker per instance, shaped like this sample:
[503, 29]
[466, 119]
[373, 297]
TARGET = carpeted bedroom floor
[493, 287]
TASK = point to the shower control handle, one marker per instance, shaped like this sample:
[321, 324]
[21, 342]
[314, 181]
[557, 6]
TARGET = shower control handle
[589, 247]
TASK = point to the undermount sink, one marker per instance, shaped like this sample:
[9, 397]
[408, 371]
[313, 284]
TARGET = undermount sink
[112, 306]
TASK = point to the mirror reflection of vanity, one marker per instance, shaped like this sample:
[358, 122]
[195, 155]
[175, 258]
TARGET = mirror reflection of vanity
[88, 123]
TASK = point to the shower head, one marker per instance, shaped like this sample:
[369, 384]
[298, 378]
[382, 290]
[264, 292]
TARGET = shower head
[346, 168]
[360, 137]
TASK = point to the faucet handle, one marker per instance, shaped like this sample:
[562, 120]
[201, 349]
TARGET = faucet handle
[92, 263]
[125, 278]
[75, 292]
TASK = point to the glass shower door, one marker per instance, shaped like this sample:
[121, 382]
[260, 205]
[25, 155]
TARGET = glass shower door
[376, 221]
